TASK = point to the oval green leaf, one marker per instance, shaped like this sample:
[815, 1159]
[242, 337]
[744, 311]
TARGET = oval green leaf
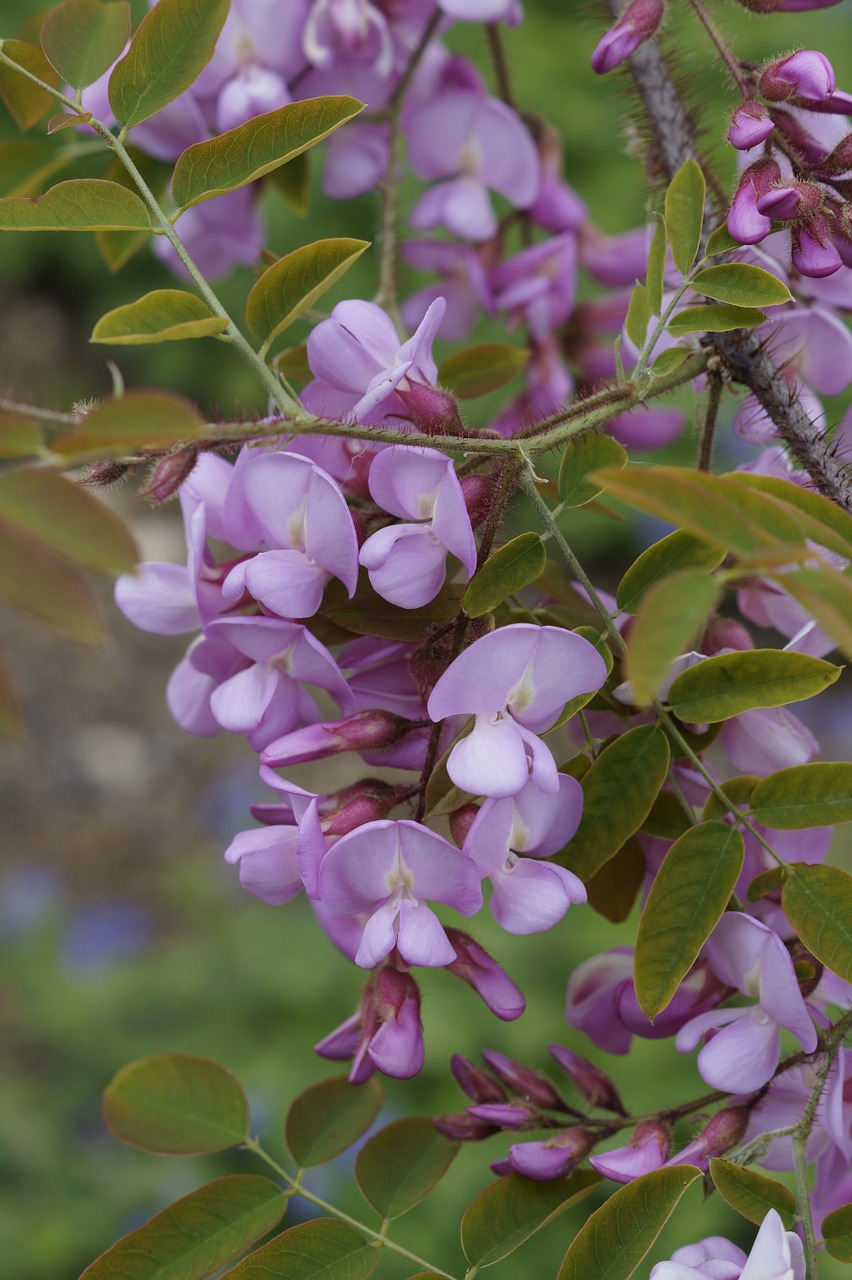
[25, 101]
[583, 454]
[508, 570]
[837, 1233]
[512, 1209]
[83, 38]
[292, 181]
[818, 518]
[69, 520]
[617, 1236]
[654, 277]
[752, 1194]
[164, 315]
[738, 790]
[827, 596]
[638, 316]
[714, 318]
[618, 792]
[808, 795]
[27, 164]
[367, 614]
[44, 584]
[329, 1117]
[476, 371]
[197, 1235]
[731, 683]
[612, 892]
[721, 241]
[817, 900]
[741, 284]
[684, 211]
[293, 284]
[245, 154]
[323, 1249]
[172, 46]
[670, 618]
[81, 204]
[399, 1166]
[176, 1104]
[667, 819]
[139, 420]
[679, 550]
[687, 899]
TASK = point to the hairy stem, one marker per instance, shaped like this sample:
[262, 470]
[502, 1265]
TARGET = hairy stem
[711, 415]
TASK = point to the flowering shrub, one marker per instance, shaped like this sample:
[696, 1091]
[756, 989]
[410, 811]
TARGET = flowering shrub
[350, 588]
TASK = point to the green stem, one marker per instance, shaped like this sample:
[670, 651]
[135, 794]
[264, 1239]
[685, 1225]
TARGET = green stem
[711, 415]
[42, 415]
[378, 1237]
[660, 327]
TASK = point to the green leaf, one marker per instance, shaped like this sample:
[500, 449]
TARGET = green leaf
[738, 790]
[512, 1209]
[244, 154]
[293, 284]
[725, 685]
[617, 1236]
[817, 900]
[808, 795]
[176, 1104]
[328, 1117]
[81, 204]
[67, 519]
[741, 284]
[165, 315]
[687, 899]
[679, 550]
[818, 518]
[669, 360]
[767, 882]
[752, 1194]
[83, 38]
[367, 614]
[584, 454]
[293, 364]
[671, 616]
[837, 1233]
[638, 316]
[721, 241]
[684, 211]
[324, 1249]
[508, 570]
[612, 891]
[64, 120]
[827, 597]
[667, 819]
[42, 583]
[399, 1166]
[656, 268]
[139, 420]
[293, 183]
[172, 46]
[442, 795]
[118, 247]
[573, 705]
[618, 792]
[476, 371]
[19, 437]
[25, 101]
[26, 164]
[196, 1235]
[714, 317]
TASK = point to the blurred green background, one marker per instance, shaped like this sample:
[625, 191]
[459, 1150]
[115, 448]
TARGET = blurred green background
[122, 933]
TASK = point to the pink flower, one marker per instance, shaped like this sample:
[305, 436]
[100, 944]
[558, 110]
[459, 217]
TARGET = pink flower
[775, 1255]
[638, 23]
[647, 1149]
[750, 125]
[385, 1034]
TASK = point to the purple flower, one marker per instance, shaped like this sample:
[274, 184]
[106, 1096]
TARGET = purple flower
[638, 23]
[388, 869]
[406, 562]
[462, 284]
[750, 125]
[385, 1034]
[775, 1255]
[472, 143]
[765, 740]
[648, 1149]
[537, 286]
[515, 681]
[814, 252]
[783, 1104]
[805, 74]
[553, 1157]
[745, 221]
[748, 957]
[220, 234]
[481, 971]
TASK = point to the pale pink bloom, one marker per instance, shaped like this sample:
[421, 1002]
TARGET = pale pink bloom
[775, 1255]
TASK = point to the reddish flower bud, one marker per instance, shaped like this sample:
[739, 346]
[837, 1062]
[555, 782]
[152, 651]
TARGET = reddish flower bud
[477, 492]
[475, 966]
[725, 1130]
[106, 472]
[814, 253]
[638, 23]
[367, 801]
[790, 200]
[750, 125]
[804, 74]
[724, 633]
[169, 474]
[594, 1084]
[840, 159]
[475, 1082]
[524, 1082]
[506, 1115]
[461, 821]
[745, 222]
[464, 1128]
[431, 409]
[365, 731]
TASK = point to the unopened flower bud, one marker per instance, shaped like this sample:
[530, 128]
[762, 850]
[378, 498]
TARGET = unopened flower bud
[506, 1115]
[594, 1084]
[725, 1130]
[365, 731]
[646, 1151]
[367, 801]
[813, 251]
[750, 125]
[461, 821]
[745, 222]
[724, 633]
[464, 1128]
[553, 1158]
[431, 409]
[476, 967]
[805, 74]
[477, 492]
[840, 159]
[169, 474]
[785, 6]
[475, 1082]
[790, 200]
[524, 1081]
[638, 23]
[105, 473]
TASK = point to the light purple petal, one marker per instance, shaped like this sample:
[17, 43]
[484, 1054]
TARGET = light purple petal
[354, 873]
[378, 938]
[405, 563]
[544, 823]
[421, 938]
[240, 702]
[285, 583]
[742, 1056]
[405, 482]
[490, 761]
[451, 523]
[530, 896]
[267, 859]
[440, 871]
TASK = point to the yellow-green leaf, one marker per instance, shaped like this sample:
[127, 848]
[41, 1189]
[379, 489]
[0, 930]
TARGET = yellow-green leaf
[721, 241]
[244, 154]
[323, 1249]
[172, 46]
[827, 597]
[508, 570]
[752, 1194]
[714, 317]
[669, 619]
[817, 900]
[81, 204]
[292, 181]
[139, 420]
[690, 892]
[26, 164]
[583, 455]
[69, 520]
[514, 1208]
[476, 371]
[807, 795]
[25, 101]
[616, 1238]
[165, 315]
[638, 316]
[818, 518]
[118, 247]
[684, 210]
[46, 586]
[292, 285]
[741, 284]
[83, 38]
[656, 268]
[176, 1104]
[677, 551]
[19, 437]
[731, 683]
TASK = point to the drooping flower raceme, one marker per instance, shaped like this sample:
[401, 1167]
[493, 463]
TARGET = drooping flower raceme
[515, 681]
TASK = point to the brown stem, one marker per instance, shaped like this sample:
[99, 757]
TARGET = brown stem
[733, 66]
[711, 415]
